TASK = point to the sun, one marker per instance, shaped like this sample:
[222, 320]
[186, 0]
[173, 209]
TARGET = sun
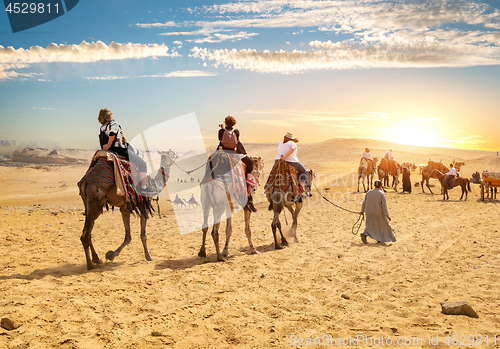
[415, 135]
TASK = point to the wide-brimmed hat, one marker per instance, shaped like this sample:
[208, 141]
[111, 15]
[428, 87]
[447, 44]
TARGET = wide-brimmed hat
[289, 135]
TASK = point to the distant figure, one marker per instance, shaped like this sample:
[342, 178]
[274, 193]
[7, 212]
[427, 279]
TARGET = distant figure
[406, 180]
[377, 216]
[388, 154]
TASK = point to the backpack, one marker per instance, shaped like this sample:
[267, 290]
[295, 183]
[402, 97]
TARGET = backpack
[229, 140]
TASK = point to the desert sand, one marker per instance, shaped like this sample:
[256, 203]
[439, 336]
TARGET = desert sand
[329, 286]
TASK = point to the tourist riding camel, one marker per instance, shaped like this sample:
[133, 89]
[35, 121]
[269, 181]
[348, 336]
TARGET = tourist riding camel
[229, 141]
[287, 151]
[111, 139]
[388, 154]
[368, 156]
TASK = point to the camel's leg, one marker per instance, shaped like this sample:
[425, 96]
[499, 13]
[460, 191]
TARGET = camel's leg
[94, 201]
[295, 215]
[206, 206]
[111, 255]
[248, 232]
[144, 238]
[86, 240]
[218, 210]
[275, 223]
[359, 177]
[229, 231]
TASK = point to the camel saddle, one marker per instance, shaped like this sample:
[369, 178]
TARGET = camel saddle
[227, 169]
[283, 176]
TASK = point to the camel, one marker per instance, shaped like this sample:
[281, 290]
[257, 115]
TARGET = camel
[464, 183]
[367, 168]
[278, 200]
[427, 173]
[193, 202]
[94, 200]
[384, 173]
[215, 197]
[178, 202]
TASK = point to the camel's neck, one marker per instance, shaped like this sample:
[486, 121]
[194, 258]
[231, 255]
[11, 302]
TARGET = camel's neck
[162, 176]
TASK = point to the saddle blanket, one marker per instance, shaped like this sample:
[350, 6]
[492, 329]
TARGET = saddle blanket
[283, 176]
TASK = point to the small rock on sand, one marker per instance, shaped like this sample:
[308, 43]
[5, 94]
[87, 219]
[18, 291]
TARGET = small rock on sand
[345, 296]
[458, 308]
[8, 324]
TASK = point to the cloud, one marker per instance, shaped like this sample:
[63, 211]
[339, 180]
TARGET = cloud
[348, 55]
[375, 34]
[175, 74]
[85, 52]
[158, 25]
[180, 74]
[425, 120]
[297, 117]
[212, 35]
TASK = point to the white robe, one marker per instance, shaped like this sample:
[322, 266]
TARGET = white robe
[377, 224]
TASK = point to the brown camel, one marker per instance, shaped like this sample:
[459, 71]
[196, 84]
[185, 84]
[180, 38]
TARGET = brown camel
[384, 171]
[216, 197]
[367, 168]
[464, 183]
[278, 200]
[94, 200]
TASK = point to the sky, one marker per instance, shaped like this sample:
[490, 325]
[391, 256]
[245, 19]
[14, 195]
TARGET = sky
[412, 72]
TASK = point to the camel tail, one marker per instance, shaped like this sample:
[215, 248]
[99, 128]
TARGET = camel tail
[468, 185]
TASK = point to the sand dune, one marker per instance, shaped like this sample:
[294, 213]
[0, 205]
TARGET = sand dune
[328, 286]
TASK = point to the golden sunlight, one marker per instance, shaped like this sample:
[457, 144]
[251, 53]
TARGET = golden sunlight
[415, 135]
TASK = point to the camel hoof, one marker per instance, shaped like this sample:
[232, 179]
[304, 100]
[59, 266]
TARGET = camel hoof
[254, 252]
[221, 260]
[149, 259]
[90, 266]
[97, 261]
[284, 243]
[278, 247]
[225, 254]
[202, 254]
[110, 255]
[296, 241]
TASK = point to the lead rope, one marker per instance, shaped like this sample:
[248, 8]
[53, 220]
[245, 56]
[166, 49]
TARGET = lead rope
[361, 217]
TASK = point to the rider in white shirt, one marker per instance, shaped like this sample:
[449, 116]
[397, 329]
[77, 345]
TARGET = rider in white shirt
[452, 173]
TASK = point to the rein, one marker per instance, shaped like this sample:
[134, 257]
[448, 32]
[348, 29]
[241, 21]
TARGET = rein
[189, 172]
[361, 216]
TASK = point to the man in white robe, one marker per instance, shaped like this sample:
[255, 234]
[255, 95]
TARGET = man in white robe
[377, 216]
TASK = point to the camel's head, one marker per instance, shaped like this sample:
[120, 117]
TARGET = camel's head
[167, 158]
[310, 175]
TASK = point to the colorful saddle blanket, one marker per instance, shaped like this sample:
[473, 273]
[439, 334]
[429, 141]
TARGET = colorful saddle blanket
[227, 168]
[107, 171]
[285, 177]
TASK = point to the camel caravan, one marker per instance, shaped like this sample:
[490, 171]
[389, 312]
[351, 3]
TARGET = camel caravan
[389, 167]
[117, 177]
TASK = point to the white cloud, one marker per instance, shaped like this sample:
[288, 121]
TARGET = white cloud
[348, 55]
[158, 25]
[180, 74]
[409, 33]
[85, 52]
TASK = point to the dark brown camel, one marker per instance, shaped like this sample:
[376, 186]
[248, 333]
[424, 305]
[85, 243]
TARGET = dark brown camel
[94, 200]
[215, 197]
[278, 200]
[464, 183]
